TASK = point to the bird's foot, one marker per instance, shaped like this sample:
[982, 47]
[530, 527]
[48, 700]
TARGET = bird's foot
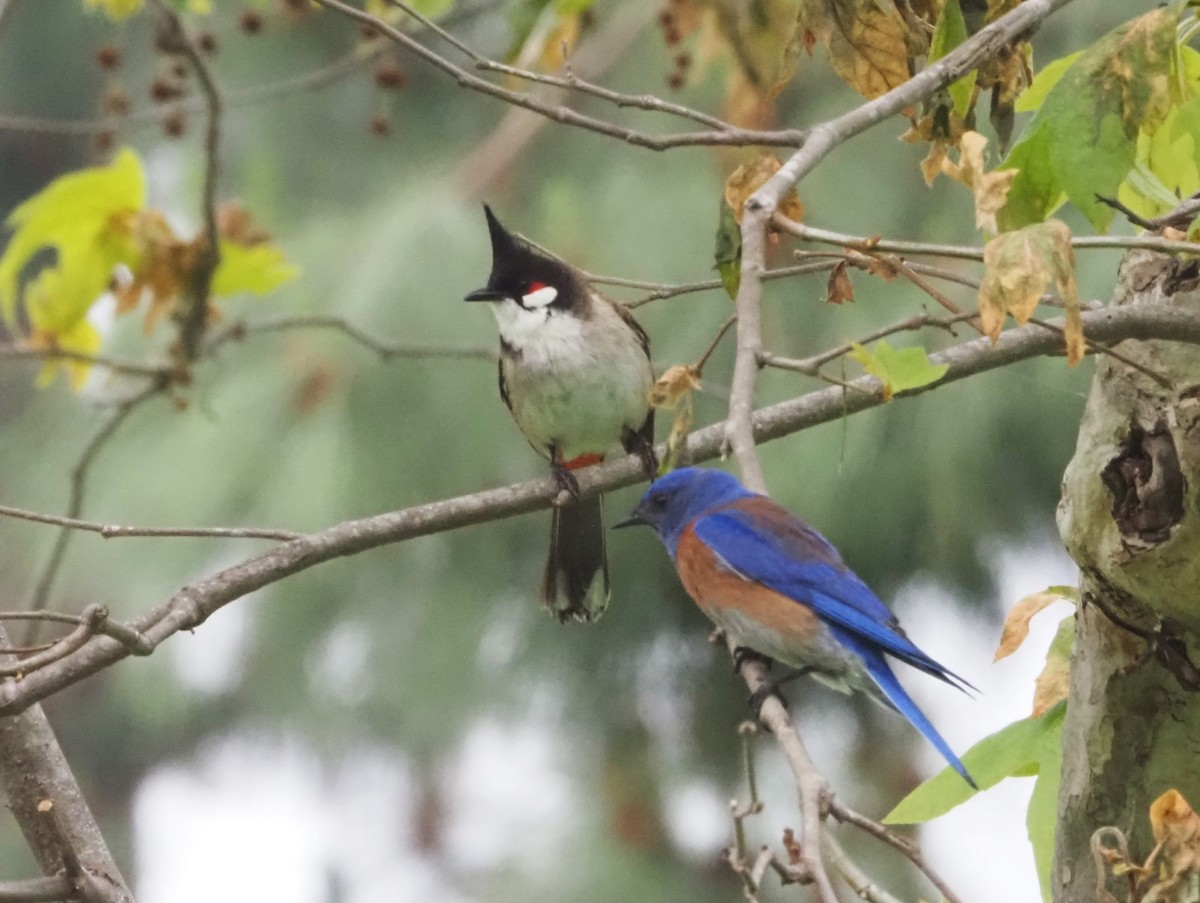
[771, 688]
[564, 479]
[637, 444]
[742, 654]
[762, 694]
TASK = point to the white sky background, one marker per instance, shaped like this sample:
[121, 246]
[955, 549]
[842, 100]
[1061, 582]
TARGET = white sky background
[253, 822]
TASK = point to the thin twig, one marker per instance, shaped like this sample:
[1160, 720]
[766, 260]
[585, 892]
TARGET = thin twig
[194, 318]
[114, 531]
[385, 349]
[94, 621]
[734, 137]
[317, 78]
[862, 885]
[712, 346]
[659, 291]
[13, 351]
[924, 285]
[79, 474]
[911, 851]
[967, 252]
[1101, 348]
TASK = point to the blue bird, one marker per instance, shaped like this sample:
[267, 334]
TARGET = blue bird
[780, 588]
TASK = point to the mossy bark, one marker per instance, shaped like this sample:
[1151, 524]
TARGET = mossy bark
[1130, 517]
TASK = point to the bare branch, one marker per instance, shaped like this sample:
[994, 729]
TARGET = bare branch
[731, 136]
[385, 349]
[44, 797]
[79, 474]
[818, 143]
[93, 622]
[191, 605]
[13, 351]
[199, 283]
[810, 783]
[36, 890]
[317, 78]
[846, 815]
[967, 252]
[113, 531]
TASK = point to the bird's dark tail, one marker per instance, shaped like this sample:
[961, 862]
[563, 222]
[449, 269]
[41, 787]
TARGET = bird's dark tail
[575, 584]
[895, 694]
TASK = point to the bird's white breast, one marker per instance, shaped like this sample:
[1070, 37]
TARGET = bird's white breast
[574, 383]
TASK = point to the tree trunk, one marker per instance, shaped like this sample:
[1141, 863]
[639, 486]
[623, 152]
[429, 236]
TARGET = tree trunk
[1130, 517]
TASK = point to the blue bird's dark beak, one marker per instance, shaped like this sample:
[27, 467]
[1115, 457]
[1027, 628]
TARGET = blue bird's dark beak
[633, 520]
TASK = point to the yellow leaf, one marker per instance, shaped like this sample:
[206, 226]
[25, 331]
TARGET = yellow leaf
[115, 9]
[1019, 267]
[749, 177]
[1177, 827]
[257, 269]
[52, 327]
[867, 43]
[990, 188]
[1016, 622]
[85, 217]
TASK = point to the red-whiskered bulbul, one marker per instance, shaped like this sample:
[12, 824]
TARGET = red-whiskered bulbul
[575, 373]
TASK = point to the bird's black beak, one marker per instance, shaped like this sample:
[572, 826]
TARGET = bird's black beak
[633, 520]
[486, 294]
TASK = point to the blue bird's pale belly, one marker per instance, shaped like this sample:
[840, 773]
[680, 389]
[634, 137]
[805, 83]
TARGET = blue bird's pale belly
[766, 621]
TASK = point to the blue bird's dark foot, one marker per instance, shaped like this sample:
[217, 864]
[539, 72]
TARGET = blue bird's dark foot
[759, 696]
[746, 654]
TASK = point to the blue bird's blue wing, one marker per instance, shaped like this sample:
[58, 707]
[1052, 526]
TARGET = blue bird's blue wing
[881, 673]
[765, 543]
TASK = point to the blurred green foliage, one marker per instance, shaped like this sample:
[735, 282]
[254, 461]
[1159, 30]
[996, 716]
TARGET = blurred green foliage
[303, 429]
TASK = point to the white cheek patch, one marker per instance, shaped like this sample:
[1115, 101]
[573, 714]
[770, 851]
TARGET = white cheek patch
[541, 297]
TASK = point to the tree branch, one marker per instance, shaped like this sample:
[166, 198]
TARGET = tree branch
[730, 136]
[113, 531]
[79, 475]
[191, 605]
[194, 319]
[45, 799]
[819, 141]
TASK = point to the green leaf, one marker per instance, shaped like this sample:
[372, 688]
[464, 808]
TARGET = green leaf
[1018, 750]
[1082, 140]
[258, 269]
[729, 250]
[1041, 818]
[85, 216]
[950, 31]
[898, 370]
[1035, 95]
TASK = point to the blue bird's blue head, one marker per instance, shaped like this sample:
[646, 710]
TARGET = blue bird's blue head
[675, 500]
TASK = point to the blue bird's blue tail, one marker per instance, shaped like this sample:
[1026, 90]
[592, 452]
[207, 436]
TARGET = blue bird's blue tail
[881, 673]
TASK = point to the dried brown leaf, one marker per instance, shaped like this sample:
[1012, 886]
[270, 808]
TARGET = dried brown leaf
[990, 188]
[1016, 622]
[867, 42]
[1019, 267]
[1177, 827]
[839, 290]
[749, 177]
[673, 385]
